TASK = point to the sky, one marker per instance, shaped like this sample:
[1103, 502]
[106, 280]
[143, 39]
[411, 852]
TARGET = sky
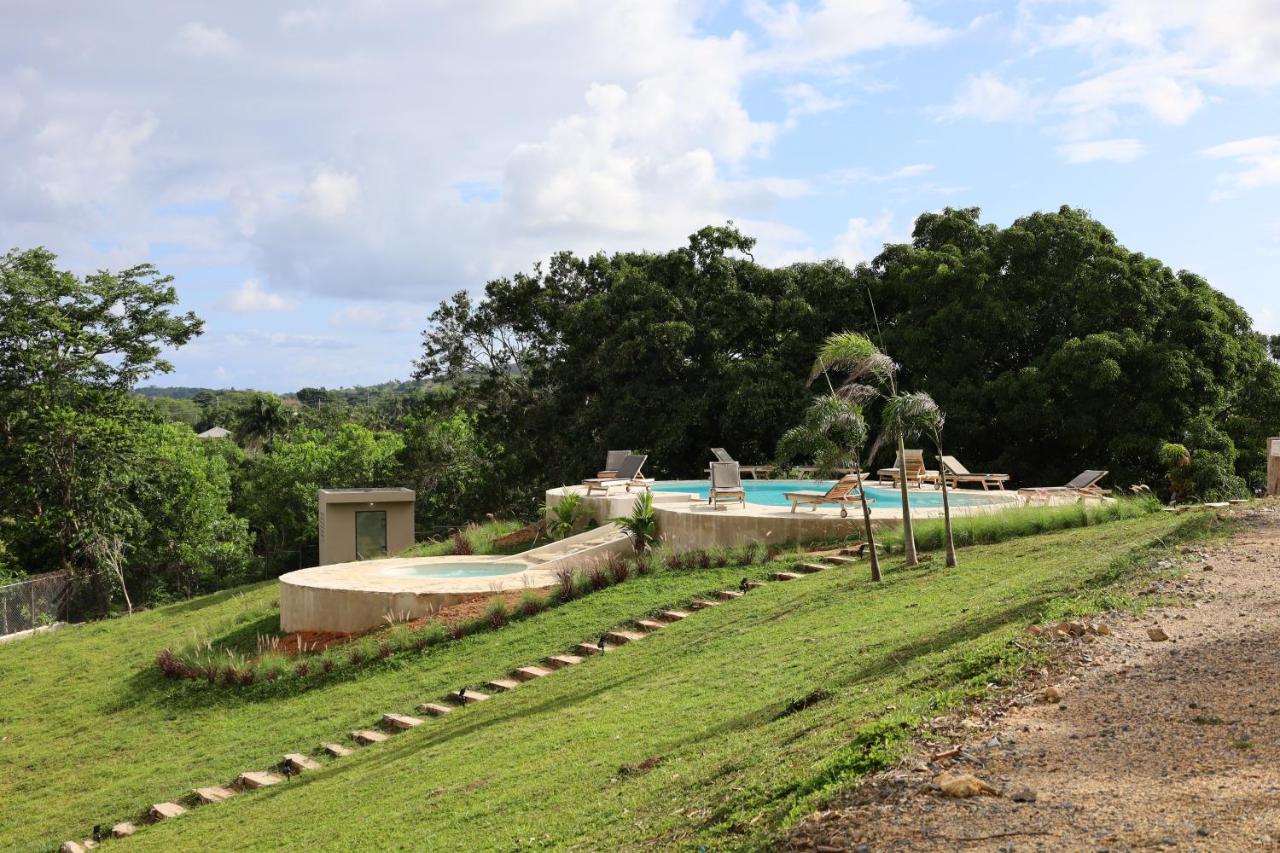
[317, 177]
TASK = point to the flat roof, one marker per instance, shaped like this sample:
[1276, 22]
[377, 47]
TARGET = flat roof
[342, 496]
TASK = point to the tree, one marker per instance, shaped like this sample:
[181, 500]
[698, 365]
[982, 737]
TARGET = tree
[260, 419]
[449, 465]
[71, 348]
[917, 415]
[867, 372]
[832, 434]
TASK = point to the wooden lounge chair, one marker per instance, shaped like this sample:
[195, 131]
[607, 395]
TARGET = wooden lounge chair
[915, 470]
[628, 475]
[1083, 486]
[847, 490]
[612, 461]
[755, 472]
[726, 485]
[957, 474]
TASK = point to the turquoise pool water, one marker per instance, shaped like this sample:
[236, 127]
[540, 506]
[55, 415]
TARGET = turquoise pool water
[452, 570]
[769, 493]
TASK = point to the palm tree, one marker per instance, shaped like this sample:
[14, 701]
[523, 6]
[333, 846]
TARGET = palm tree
[867, 370]
[907, 415]
[260, 419]
[832, 434]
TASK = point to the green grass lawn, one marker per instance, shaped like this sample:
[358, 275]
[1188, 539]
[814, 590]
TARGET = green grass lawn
[92, 734]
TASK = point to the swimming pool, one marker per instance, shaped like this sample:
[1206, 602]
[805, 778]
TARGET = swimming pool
[450, 570]
[770, 493]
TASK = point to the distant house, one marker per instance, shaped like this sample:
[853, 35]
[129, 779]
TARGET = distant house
[214, 432]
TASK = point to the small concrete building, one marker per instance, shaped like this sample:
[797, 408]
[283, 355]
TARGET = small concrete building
[359, 524]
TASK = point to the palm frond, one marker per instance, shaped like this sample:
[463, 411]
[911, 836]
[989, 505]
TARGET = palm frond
[853, 354]
[910, 415]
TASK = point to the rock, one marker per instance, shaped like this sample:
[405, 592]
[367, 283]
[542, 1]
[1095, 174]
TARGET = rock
[1157, 634]
[1104, 629]
[964, 785]
[123, 830]
[1023, 794]
[1207, 567]
[1051, 694]
[71, 847]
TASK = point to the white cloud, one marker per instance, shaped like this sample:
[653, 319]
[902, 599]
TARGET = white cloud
[197, 39]
[803, 99]
[250, 298]
[1257, 159]
[862, 239]
[332, 193]
[837, 29]
[1111, 150]
[860, 175]
[78, 162]
[986, 97]
[379, 316]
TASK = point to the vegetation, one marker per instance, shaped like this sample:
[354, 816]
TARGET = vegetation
[917, 416]
[717, 731]
[641, 524]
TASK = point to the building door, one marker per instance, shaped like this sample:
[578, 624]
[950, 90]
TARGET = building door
[371, 534]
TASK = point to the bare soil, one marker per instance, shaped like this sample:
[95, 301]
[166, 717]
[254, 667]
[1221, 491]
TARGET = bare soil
[1140, 744]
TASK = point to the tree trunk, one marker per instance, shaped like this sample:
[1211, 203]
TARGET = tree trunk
[946, 512]
[866, 523]
[908, 534]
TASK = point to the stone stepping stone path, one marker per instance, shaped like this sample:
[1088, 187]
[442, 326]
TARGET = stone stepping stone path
[364, 737]
[841, 560]
[166, 811]
[502, 685]
[297, 762]
[400, 722]
[254, 779]
[809, 568]
[213, 794]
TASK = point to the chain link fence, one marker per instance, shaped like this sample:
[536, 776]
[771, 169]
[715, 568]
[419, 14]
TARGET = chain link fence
[36, 601]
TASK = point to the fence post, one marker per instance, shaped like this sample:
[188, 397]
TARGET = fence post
[1273, 468]
[32, 587]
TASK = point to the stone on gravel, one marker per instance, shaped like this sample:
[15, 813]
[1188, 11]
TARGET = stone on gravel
[1157, 634]
[1052, 694]
[1022, 794]
[964, 785]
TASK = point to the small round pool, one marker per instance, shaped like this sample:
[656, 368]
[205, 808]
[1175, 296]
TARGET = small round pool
[770, 493]
[449, 570]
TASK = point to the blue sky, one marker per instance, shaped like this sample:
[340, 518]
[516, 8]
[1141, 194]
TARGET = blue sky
[317, 177]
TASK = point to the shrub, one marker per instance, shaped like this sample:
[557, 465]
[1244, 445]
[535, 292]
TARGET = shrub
[598, 577]
[530, 603]
[496, 614]
[619, 567]
[461, 544]
[563, 517]
[642, 524]
[566, 588]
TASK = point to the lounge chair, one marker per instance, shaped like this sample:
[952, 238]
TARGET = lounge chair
[1083, 486]
[847, 490]
[628, 475]
[753, 471]
[726, 485]
[612, 461]
[957, 474]
[915, 470]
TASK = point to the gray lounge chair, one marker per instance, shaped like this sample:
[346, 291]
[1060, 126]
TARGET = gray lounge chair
[612, 461]
[628, 475]
[726, 485]
[755, 472]
[1085, 486]
[957, 474]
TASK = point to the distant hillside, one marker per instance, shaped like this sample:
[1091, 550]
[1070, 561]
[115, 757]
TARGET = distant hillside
[176, 392]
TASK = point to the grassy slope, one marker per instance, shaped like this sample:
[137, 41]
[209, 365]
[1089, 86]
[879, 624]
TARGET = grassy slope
[93, 734]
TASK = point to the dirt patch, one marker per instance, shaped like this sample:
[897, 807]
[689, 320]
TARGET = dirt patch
[308, 642]
[1139, 743]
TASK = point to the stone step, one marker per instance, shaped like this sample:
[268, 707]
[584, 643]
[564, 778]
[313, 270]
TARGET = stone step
[337, 750]
[621, 638]
[728, 594]
[165, 811]
[561, 661]
[297, 762]
[364, 737]
[592, 648]
[502, 685]
[213, 794]
[702, 604]
[754, 584]
[812, 567]
[673, 615]
[123, 830]
[785, 576]
[73, 847]
[469, 697]
[529, 673]
[859, 550]
[651, 625]
[400, 722]
[435, 709]
[258, 779]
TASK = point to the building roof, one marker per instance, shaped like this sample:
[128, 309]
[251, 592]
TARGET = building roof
[346, 496]
[214, 432]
